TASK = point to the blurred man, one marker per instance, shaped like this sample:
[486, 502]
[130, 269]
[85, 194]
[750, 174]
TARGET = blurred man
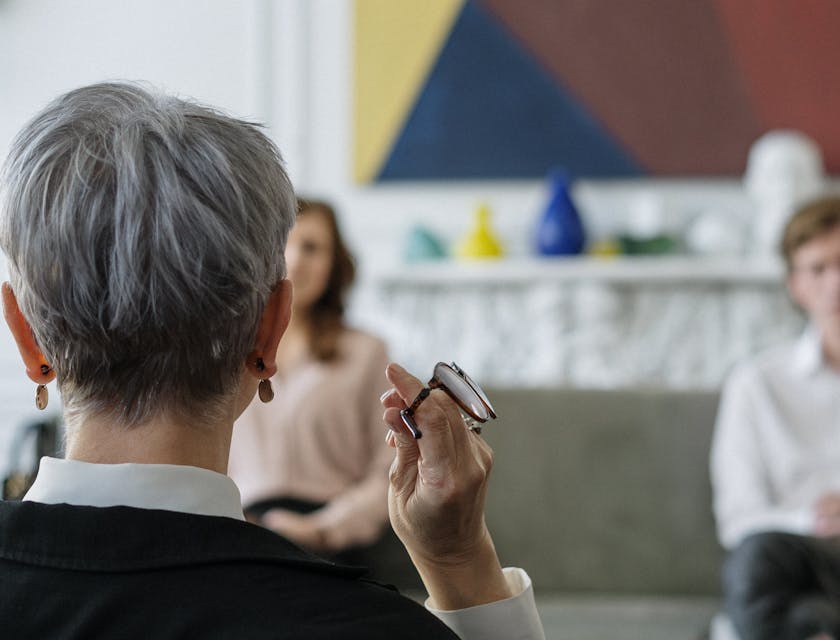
[775, 459]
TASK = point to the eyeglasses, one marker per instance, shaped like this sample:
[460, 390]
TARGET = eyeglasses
[471, 400]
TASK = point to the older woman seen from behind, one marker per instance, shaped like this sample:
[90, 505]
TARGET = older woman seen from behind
[144, 294]
[145, 239]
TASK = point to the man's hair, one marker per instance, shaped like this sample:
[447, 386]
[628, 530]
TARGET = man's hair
[810, 221]
[327, 313]
[144, 234]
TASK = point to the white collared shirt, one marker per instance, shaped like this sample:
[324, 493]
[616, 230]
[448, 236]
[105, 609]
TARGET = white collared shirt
[203, 492]
[144, 486]
[776, 448]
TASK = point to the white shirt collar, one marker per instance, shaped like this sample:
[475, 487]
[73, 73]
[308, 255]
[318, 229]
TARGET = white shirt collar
[145, 486]
[808, 354]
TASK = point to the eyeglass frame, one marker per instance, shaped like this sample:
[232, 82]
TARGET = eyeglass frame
[470, 420]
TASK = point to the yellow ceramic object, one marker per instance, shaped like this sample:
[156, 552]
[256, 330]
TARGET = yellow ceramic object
[606, 248]
[480, 242]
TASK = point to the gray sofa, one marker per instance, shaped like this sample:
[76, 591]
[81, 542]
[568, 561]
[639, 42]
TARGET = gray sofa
[605, 491]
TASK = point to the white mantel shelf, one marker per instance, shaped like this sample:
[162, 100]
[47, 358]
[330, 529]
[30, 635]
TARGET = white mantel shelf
[637, 270]
[673, 321]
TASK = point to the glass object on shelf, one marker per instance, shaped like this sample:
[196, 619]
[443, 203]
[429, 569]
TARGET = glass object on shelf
[605, 248]
[655, 245]
[646, 232]
[559, 230]
[480, 242]
[422, 245]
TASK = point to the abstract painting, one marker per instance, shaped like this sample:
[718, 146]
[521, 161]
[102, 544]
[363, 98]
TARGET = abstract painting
[508, 89]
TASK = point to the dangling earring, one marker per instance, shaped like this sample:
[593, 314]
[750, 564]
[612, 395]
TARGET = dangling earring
[42, 396]
[265, 390]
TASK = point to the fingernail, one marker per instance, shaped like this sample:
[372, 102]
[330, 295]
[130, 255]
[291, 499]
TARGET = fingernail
[385, 395]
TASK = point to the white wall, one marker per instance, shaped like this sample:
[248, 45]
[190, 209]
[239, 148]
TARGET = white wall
[287, 63]
[212, 50]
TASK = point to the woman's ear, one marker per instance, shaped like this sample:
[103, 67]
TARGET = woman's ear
[275, 319]
[37, 367]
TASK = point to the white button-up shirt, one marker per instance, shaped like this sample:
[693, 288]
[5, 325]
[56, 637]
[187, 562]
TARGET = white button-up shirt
[776, 448]
[204, 492]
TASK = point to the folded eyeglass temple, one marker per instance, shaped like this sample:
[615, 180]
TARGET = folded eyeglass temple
[407, 414]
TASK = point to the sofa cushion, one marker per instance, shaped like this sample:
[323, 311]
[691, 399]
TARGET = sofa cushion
[605, 490]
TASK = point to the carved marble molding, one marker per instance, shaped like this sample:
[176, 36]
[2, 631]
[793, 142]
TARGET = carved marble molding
[604, 330]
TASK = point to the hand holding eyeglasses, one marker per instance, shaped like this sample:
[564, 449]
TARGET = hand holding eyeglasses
[438, 486]
[454, 381]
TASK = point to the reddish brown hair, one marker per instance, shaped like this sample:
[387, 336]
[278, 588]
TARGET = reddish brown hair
[327, 313]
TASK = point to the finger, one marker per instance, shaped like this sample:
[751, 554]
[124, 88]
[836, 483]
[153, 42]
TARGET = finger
[397, 427]
[461, 436]
[279, 519]
[405, 385]
[403, 473]
[484, 453]
[437, 447]
[392, 399]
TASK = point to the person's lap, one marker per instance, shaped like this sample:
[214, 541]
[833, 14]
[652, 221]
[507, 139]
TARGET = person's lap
[781, 585]
[386, 558]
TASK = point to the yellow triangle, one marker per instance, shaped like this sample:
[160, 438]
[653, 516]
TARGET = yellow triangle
[397, 42]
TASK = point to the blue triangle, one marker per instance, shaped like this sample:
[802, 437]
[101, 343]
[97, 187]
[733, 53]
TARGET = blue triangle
[489, 110]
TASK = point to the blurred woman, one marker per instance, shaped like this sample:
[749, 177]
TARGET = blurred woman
[313, 464]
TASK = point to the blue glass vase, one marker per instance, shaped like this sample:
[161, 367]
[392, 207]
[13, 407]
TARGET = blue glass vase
[560, 231]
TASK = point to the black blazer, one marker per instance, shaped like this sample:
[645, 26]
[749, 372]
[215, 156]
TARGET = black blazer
[121, 572]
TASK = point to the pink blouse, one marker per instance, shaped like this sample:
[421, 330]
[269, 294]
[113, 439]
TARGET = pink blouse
[322, 439]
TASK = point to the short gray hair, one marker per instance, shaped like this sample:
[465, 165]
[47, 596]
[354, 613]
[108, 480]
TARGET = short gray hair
[144, 234]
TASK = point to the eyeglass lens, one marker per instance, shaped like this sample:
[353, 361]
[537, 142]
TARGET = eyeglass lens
[466, 394]
[477, 389]
[460, 387]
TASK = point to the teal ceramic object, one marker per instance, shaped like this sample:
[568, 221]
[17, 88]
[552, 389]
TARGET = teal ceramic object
[421, 244]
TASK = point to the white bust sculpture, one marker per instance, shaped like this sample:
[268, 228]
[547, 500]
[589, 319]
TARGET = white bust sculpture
[784, 170]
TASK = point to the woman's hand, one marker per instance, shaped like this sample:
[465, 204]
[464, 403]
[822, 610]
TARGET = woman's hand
[436, 497]
[302, 529]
